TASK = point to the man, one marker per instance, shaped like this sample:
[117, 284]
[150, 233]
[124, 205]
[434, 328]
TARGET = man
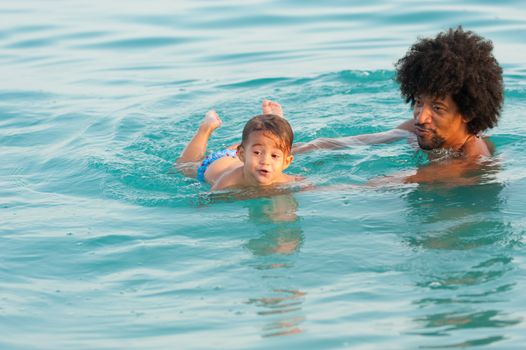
[455, 88]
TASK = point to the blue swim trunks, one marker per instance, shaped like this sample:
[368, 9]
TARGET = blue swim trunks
[212, 158]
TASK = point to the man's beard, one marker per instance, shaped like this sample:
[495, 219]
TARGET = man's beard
[434, 143]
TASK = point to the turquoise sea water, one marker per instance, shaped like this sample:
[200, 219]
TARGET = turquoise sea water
[104, 247]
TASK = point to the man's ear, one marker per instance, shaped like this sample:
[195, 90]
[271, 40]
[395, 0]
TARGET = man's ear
[465, 119]
[241, 153]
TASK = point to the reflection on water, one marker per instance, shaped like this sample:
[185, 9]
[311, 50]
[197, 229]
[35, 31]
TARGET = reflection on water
[279, 238]
[462, 217]
[468, 343]
[464, 268]
[282, 307]
[283, 240]
[276, 209]
[447, 322]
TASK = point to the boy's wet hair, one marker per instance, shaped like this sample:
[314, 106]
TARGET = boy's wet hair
[273, 125]
[457, 63]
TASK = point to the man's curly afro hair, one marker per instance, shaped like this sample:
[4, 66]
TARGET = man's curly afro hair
[457, 63]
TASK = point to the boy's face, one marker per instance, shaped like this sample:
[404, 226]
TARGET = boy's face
[264, 161]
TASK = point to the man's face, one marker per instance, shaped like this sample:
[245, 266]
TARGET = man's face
[438, 123]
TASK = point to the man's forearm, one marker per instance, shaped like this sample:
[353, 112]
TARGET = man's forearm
[342, 142]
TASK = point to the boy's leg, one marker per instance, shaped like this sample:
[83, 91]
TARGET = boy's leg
[271, 107]
[194, 152]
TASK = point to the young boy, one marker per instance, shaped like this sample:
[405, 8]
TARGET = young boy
[259, 161]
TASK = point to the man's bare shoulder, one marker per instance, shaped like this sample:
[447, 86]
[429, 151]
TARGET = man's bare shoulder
[478, 146]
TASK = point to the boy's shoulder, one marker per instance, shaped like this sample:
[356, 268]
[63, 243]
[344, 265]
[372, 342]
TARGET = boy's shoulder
[229, 179]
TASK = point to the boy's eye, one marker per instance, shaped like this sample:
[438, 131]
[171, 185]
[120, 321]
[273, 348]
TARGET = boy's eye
[275, 156]
[257, 153]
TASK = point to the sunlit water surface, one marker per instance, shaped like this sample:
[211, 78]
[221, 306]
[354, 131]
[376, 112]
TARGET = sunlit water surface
[105, 247]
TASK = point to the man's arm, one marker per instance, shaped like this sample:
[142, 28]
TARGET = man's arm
[400, 132]
[454, 172]
[408, 125]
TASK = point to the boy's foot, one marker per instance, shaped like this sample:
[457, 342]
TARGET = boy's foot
[211, 121]
[271, 107]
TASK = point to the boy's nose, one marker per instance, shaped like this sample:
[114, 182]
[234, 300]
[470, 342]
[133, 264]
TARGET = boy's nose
[264, 159]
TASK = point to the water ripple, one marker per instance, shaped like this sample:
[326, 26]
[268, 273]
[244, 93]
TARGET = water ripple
[137, 43]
